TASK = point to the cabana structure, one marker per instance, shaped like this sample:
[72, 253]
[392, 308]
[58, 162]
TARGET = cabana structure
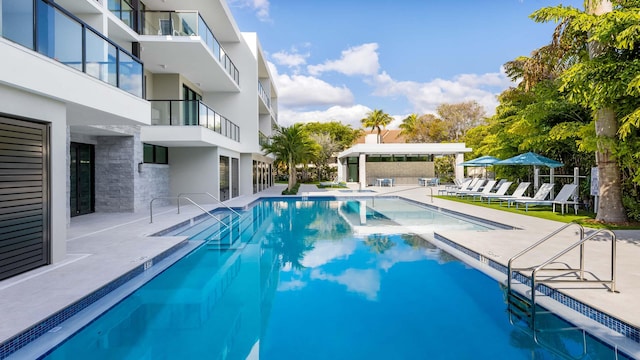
[405, 163]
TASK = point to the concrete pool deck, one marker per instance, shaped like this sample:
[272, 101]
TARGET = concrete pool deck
[102, 247]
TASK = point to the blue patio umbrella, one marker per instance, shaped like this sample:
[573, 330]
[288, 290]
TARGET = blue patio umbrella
[481, 161]
[530, 158]
[534, 159]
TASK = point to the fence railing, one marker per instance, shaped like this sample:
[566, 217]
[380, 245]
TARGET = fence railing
[65, 38]
[187, 23]
[192, 113]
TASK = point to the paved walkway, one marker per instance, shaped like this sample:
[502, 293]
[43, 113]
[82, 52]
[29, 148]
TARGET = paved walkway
[102, 247]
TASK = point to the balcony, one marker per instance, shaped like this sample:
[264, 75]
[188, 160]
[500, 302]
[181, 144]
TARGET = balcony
[263, 95]
[192, 113]
[70, 41]
[263, 139]
[188, 23]
[182, 27]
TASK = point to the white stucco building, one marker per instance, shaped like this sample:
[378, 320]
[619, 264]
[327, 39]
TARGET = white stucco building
[108, 104]
[403, 162]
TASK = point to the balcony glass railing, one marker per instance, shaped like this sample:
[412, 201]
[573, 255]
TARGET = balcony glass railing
[263, 95]
[187, 23]
[263, 139]
[65, 38]
[192, 113]
[123, 10]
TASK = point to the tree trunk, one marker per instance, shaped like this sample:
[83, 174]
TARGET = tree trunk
[292, 174]
[610, 208]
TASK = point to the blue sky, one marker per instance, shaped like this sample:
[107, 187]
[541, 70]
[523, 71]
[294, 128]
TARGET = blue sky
[339, 59]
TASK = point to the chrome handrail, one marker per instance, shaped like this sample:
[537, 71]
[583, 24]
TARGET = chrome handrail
[178, 198]
[612, 282]
[513, 258]
[211, 196]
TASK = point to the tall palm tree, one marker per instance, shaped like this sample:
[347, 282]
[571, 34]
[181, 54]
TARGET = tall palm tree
[408, 126]
[291, 145]
[376, 119]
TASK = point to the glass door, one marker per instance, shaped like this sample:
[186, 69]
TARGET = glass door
[82, 197]
[235, 177]
[191, 102]
[224, 178]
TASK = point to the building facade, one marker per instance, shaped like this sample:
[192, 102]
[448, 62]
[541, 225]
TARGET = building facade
[107, 104]
[367, 162]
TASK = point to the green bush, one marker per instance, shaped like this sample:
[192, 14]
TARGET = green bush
[293, 191]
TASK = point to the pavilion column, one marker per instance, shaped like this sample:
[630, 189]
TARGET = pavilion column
[459, 169]
[341, 169]
[362, 170]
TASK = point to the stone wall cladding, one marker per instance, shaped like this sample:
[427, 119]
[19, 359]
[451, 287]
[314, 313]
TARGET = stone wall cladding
[403, 173]
[153, 181]
[114, 173]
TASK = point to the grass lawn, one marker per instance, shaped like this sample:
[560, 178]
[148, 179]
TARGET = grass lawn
[583, 218]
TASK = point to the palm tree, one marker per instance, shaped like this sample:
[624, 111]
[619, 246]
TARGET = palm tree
[408, 125]
[376, 119]
[291, 145]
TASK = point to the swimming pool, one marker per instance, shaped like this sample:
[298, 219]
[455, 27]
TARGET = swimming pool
[296, 281]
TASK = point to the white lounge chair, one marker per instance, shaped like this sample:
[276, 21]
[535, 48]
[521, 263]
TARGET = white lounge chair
[474, 189]
[487, 189]
[333, 183]
[451, 190]
[563, 196]
[517, 193]
[502, 190]
[566, 202]
[540, 195]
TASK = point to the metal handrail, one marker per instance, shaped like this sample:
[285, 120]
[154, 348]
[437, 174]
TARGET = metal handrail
[536, 244]
[431, 193]
[178, 198]
[211, 196]
[612, 282]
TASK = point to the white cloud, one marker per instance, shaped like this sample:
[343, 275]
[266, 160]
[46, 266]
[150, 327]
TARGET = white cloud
[364, 282]
[324, 252]
[425, 97]
[295, 284]
[358, 60]
[290, 59]
[348, 115]
[402, 254]
[261, 7]
[299, 91]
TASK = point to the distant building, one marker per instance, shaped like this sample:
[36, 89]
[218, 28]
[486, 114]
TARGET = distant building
[367, 162]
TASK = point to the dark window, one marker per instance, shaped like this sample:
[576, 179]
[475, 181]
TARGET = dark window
[155, 154]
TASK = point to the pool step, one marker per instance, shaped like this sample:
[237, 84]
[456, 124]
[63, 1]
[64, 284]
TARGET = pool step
[235, 236]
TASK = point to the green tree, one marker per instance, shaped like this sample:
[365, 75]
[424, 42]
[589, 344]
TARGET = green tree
[376, 120]
[327, 147]
[603, 39]
[461, 117]
[342, 134]
[291, 145]
[408, 126]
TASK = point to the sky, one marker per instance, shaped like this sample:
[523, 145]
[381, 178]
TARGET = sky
[336, 60]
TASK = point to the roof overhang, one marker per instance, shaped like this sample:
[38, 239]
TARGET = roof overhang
[406, 149]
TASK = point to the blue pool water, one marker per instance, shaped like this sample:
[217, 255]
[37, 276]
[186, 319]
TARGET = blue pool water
[293, 280]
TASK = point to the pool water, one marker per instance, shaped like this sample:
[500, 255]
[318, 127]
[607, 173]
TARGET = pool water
[301, 284]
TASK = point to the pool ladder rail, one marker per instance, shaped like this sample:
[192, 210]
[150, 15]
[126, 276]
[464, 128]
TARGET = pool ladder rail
[524, 307]
[182, 197]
